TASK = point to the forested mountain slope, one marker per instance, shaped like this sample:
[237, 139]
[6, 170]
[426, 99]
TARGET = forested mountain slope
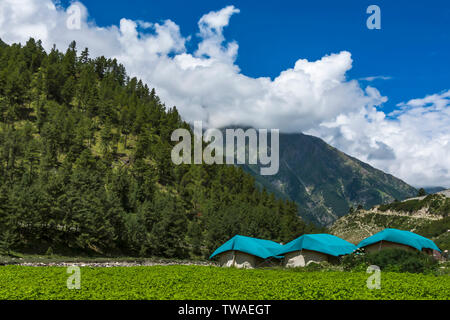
[85, 167]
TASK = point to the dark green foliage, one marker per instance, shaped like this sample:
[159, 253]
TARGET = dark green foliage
[438, 231]
[49, 251]
[85, 167]
[435, 203]
[435, 228]
[392, 259]
[406, 206]
[443, 242]
[421, 192]
[354, 260]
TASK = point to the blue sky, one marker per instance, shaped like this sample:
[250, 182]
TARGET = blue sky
[412, 47]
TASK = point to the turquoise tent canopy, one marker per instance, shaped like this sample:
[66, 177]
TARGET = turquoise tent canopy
[400, 236]
[257, 247]
[325, 243]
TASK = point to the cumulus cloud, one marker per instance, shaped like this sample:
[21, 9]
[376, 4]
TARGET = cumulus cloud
[413, 142]
[207, 85]
[211, 31]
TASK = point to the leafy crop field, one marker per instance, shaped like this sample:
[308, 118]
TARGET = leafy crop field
[206, 282]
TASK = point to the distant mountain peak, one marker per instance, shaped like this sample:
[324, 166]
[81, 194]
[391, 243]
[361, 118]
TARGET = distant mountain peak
[325, 182]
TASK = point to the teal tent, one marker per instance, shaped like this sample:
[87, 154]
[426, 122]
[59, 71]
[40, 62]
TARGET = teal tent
[257, 247]
[400, 236]
[325, 243]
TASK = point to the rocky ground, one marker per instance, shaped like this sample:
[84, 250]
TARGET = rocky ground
[110, 264]
[58, 261]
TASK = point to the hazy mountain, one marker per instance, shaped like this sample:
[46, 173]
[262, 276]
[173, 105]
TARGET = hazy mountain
[326, 182]
[431, 190]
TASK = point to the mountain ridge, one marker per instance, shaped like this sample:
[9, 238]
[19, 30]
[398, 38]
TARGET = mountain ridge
[325, 182]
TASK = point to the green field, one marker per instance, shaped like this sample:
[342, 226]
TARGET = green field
[204, 282]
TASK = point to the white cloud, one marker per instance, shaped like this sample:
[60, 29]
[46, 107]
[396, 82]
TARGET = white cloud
[373, 78]
[211, 31]
[414, 145]
[207, 85]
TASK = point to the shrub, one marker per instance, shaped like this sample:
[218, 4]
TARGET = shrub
[314, 266]
[354, 261]
[443, 241]
[392, 259]
[421, 192]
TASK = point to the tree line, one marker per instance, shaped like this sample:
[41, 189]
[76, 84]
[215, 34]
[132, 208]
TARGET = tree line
[85, 167]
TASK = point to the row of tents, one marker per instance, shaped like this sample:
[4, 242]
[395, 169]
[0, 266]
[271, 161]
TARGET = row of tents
[246, 252]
